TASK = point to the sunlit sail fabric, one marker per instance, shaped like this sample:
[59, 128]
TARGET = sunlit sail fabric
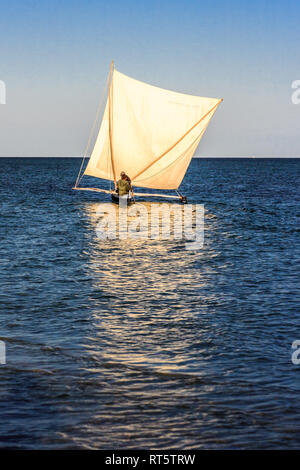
[154, 133]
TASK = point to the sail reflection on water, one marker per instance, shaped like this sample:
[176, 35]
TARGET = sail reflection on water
[144, 293]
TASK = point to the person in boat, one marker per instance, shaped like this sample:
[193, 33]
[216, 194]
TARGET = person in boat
[124, 184]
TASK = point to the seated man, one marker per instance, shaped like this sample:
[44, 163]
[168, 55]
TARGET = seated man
[123, 185]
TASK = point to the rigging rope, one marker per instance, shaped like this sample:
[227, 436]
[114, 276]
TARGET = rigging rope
[91, 133]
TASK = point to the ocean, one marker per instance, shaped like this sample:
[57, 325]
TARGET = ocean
[144, 344]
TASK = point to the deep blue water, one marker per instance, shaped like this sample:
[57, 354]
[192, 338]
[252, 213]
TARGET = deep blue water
[144, 344]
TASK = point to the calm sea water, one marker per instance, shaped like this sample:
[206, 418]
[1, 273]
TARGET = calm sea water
[144, 344]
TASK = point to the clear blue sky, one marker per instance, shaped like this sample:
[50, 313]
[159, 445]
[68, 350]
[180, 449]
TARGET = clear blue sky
[55, 56]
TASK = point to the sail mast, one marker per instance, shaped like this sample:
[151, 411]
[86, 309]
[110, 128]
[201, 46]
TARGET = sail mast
[110, 121]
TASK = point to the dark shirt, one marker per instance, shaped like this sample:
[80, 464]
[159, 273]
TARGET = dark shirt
[123, 187]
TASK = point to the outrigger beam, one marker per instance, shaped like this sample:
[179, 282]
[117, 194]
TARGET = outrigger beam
[98, 190]
[171, 196]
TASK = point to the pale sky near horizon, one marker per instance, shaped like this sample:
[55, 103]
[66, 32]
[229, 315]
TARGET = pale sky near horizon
[55, 58]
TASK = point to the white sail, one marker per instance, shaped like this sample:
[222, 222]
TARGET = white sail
[154, 133]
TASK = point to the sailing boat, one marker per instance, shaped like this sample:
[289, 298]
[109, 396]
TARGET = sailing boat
[149, 133]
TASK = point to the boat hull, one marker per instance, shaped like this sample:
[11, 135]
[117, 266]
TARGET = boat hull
[115, 198]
